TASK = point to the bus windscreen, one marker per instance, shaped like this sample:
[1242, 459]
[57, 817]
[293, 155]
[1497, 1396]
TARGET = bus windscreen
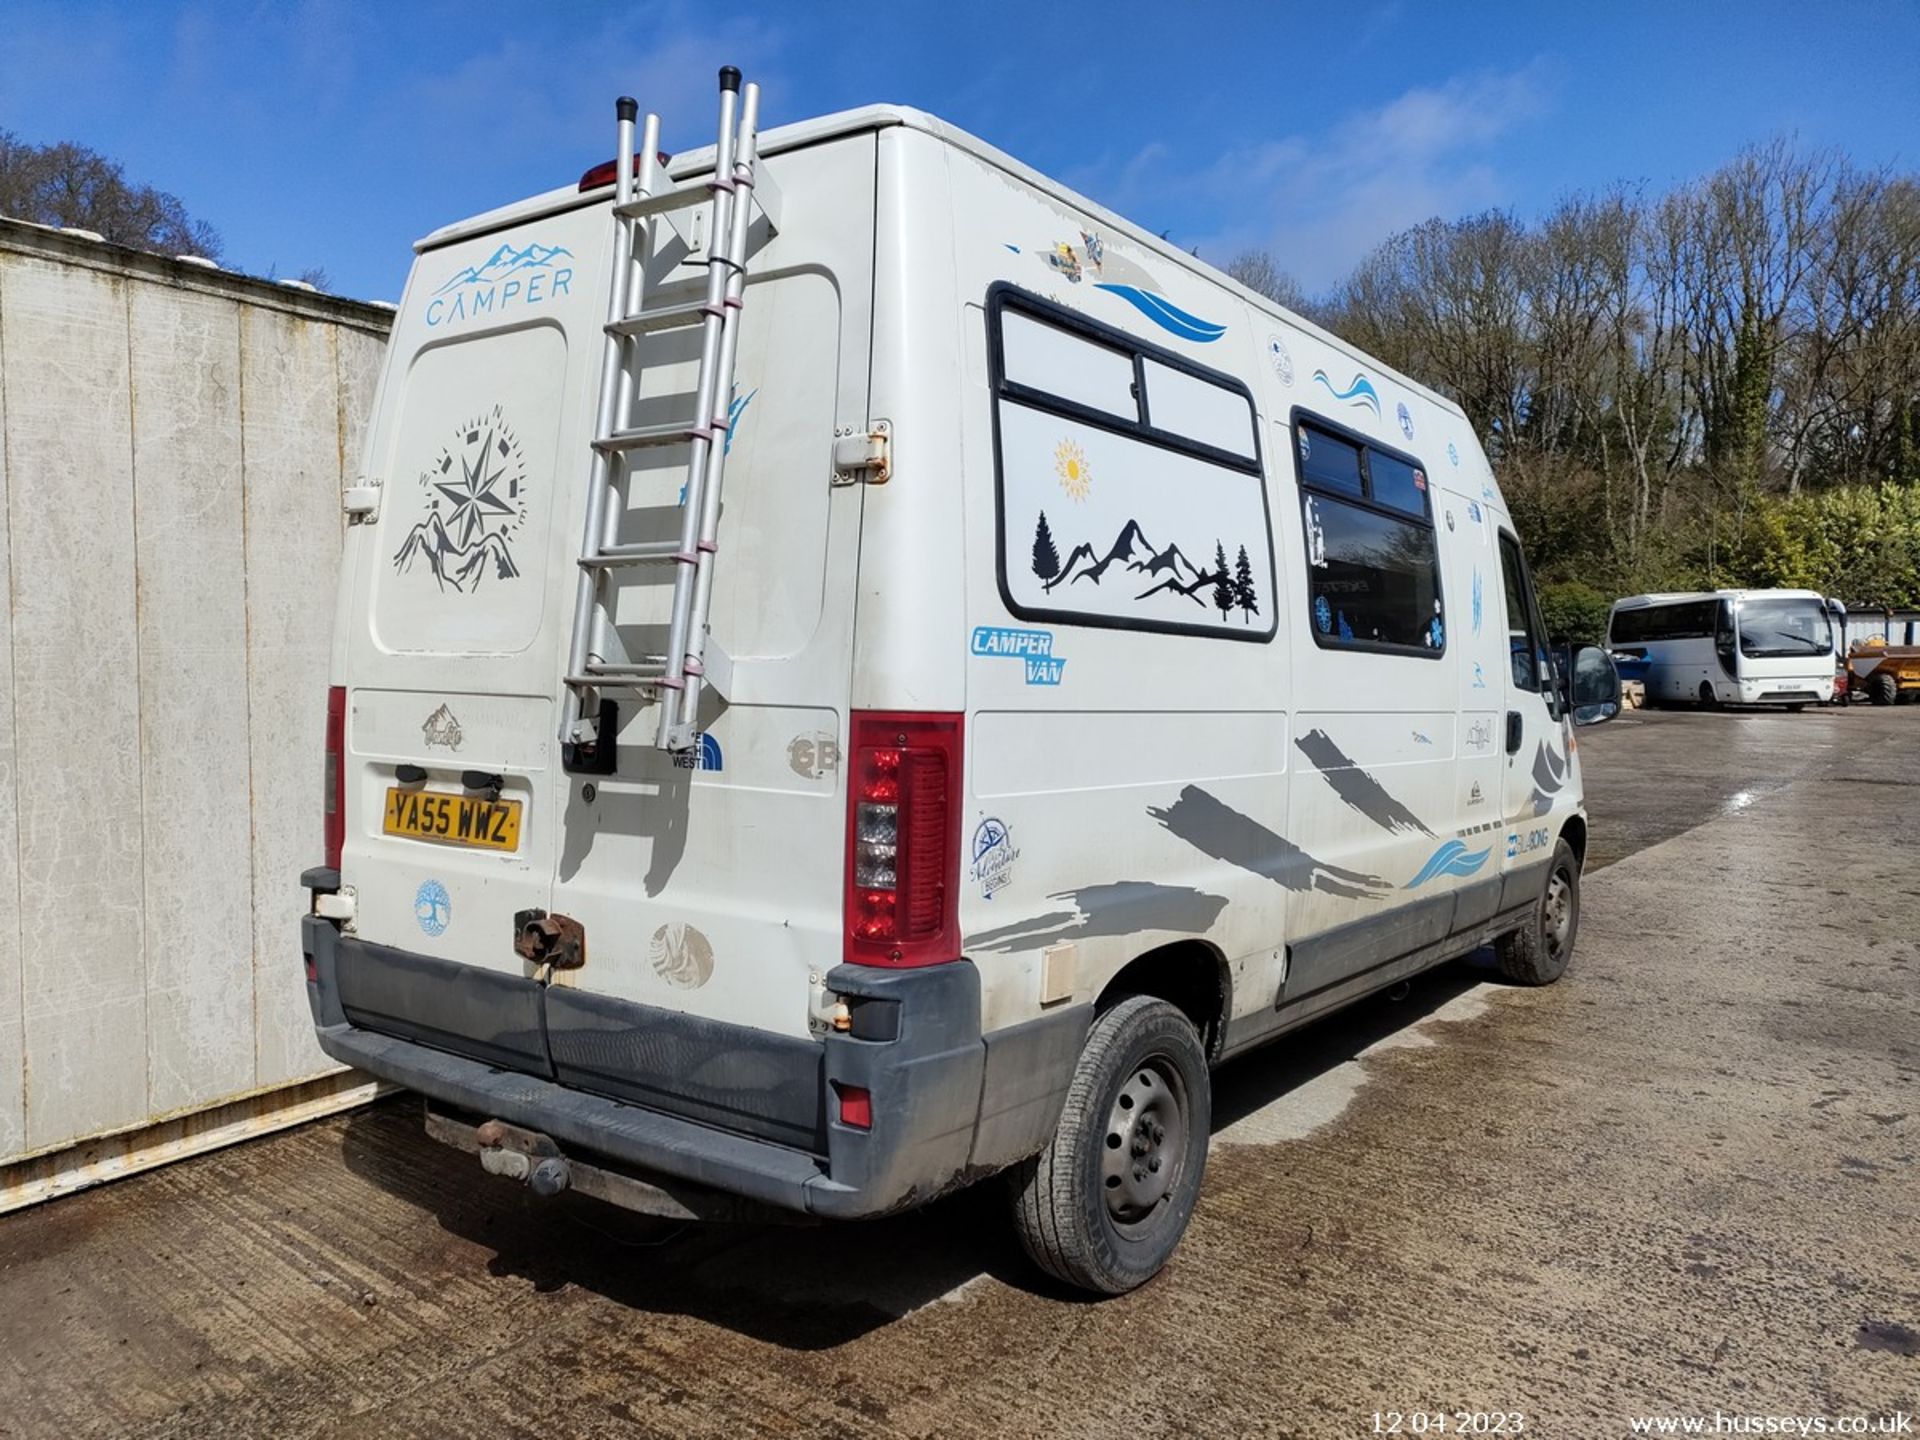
[1770, 628]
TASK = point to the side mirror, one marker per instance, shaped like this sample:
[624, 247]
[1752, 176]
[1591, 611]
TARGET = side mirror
[1595, 686]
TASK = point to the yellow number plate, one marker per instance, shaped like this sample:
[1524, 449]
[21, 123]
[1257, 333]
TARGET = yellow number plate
[454, 819]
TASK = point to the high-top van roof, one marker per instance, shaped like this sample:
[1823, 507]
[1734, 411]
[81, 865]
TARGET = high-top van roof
[879, 117]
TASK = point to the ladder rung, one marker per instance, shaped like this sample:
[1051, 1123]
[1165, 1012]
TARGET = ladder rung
[641, 553]
[665, 317]
[662, 202]
[675, 432]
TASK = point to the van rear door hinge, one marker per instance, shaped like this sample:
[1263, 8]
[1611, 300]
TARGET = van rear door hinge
[361, 501]
[863, 455]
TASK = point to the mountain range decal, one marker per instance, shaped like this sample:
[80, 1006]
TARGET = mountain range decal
[504, 261]
[1137, 555]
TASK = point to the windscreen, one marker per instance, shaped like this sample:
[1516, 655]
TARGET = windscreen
[1780, 628]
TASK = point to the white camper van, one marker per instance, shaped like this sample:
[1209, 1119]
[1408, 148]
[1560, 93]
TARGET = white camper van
[895, 682]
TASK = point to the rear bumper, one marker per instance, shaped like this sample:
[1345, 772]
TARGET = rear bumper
[949, 1104]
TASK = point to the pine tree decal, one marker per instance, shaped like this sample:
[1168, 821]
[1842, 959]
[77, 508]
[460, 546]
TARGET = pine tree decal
[1243, 592]
[1223, 594]
[1046, 559]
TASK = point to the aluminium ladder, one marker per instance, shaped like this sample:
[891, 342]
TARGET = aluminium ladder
[692, 661]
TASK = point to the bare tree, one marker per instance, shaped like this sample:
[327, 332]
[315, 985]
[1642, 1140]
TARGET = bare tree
[72, 186]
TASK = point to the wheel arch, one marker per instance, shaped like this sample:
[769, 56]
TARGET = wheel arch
[1574, 832]
[1191, 975]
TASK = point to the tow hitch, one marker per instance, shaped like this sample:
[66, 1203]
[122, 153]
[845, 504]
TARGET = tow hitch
[556, 940]
[523, 1155]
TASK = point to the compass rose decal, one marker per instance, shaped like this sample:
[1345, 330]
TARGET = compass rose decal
[475, 493]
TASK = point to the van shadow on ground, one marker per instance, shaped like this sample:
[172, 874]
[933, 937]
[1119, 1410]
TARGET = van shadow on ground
[805, 1287]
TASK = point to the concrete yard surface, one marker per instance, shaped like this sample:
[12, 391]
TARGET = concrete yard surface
[1685, 1180]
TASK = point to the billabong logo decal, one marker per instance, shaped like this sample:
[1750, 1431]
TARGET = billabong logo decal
[1452, 858]
[476, 494]
[1360, 392]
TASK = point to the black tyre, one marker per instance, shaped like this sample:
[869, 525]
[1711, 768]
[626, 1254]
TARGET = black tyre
[1104, 1205]
[1707, 698]
[1795, 709]
[1537, 953]
[1882, 688]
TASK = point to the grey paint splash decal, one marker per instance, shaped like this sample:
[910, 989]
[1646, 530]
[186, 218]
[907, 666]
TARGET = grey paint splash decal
[1549, 774]
[1221, 831]
[1125, 908]
[1359, 790]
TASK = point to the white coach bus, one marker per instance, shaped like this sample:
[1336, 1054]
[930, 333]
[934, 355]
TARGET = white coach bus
[1729, 647]
[1089, 672]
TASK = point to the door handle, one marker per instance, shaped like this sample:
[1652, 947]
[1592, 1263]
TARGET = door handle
[1514, 728]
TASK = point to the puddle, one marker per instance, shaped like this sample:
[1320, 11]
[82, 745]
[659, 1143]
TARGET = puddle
[1322, 1099]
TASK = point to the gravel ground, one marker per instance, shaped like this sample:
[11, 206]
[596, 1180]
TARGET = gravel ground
[1685, 1180]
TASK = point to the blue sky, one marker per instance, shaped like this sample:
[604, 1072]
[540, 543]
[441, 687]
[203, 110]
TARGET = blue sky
[332, 134]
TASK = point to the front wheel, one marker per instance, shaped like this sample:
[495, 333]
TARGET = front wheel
[1707, 698]
[1537, 953]
[1104, 1205]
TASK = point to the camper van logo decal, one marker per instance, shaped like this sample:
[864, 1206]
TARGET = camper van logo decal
[1452, 858]
[1478, 608]
[1479, 677]
[1453, 453]
[506, 280]
[1479, 736]
[1089, 259]
[1549, 775]
[1076, 476]
[1035, 647]
[705, 755]
[1282, 361]
[1405, 417]
[1360, 392]
[1473, 511]
[442, 729]
[476, 498]
[681, 956]
[1474, 796]
[993, 856]
[432, 907]
[1322, 615]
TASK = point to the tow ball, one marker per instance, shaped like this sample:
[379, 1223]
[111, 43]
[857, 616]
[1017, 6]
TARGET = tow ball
[523, 1155]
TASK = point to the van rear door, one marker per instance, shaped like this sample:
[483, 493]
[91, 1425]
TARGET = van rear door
[709, 883]
[454, 626]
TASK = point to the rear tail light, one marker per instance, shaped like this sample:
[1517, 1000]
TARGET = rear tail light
[608, 171]
[903, 857]
[335, 801]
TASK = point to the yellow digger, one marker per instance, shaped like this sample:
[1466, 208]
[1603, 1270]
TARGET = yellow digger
[1885, 674]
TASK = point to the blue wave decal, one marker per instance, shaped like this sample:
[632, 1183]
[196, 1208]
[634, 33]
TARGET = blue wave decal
[1452, 858]
[1167, 315]
[1360, 392]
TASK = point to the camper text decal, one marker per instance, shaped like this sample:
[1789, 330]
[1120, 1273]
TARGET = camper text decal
[1035, 647]
[507, 281]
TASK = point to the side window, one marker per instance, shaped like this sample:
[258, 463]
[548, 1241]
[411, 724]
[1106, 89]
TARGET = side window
[1373, 561]
[1524, 643]
[1130, 485]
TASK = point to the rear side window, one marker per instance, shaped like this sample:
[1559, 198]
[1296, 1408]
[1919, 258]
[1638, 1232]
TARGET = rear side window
[1373, 563]
[1131, 493]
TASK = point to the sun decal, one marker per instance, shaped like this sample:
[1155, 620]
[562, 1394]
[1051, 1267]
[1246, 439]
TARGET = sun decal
[1070, 464]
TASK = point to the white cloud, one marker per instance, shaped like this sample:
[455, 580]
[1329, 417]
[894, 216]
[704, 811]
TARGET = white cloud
[1321, 200]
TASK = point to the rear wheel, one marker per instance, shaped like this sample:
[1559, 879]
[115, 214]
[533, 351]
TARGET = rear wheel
[1537, 953]
[1104, 1205]
[1882, 688]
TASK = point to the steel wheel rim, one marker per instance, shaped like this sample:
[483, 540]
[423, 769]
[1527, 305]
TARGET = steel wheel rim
[1144, 1149]
[1557, 914]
